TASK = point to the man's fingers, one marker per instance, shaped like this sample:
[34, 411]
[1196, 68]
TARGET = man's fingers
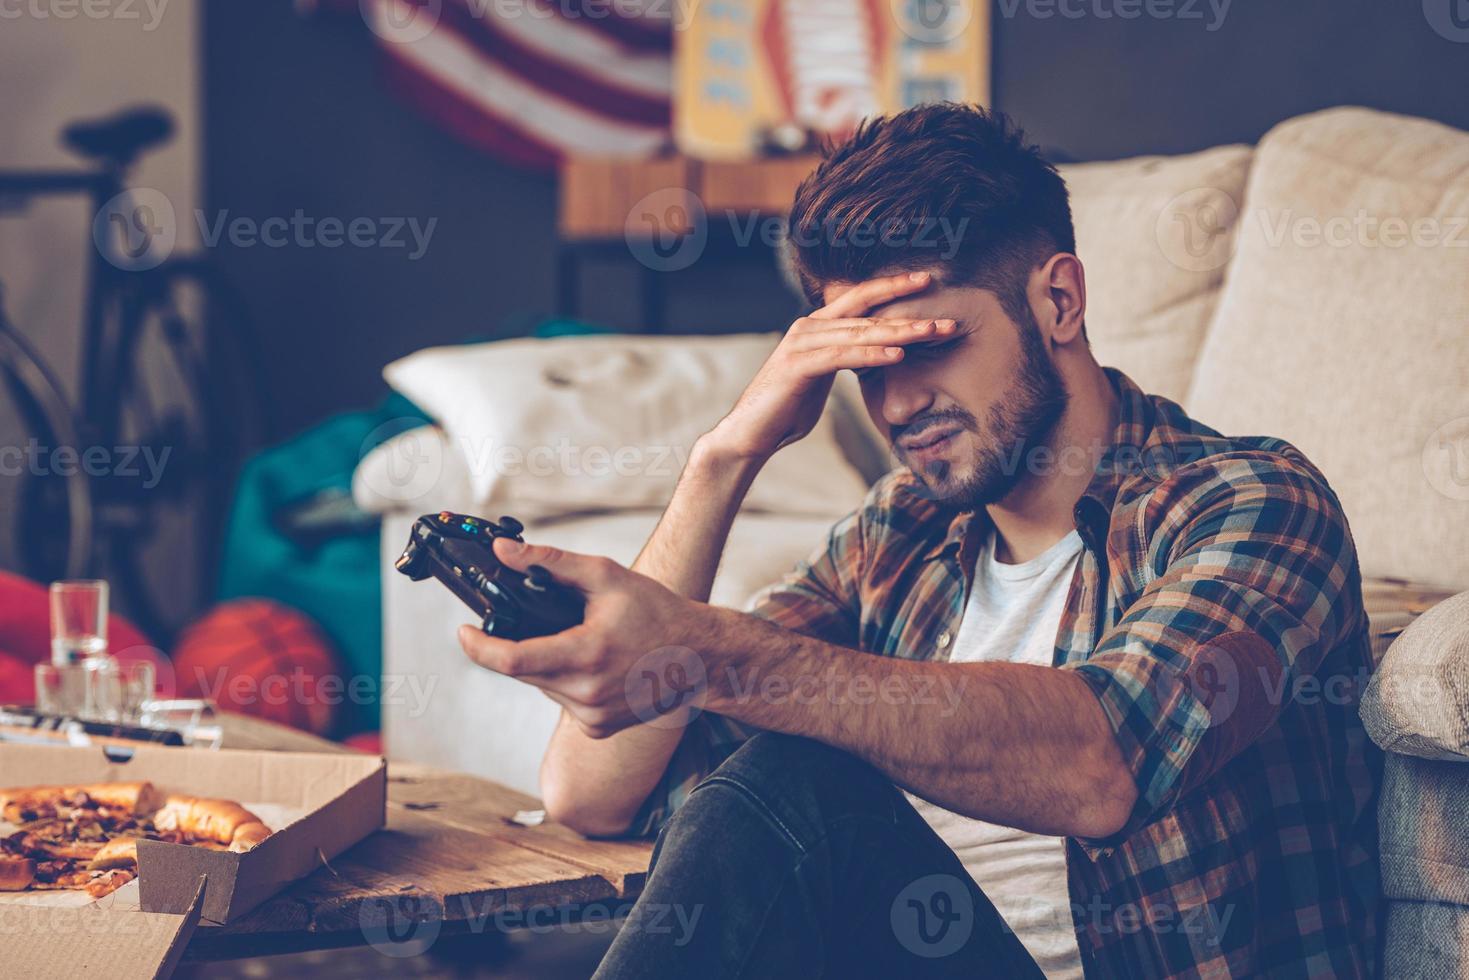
[535, 661]
[586, 572]
[874, 292]
[829, 360]
[867, 331]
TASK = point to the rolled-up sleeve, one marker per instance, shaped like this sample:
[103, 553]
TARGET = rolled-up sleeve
[1251, 554]
[820, 597]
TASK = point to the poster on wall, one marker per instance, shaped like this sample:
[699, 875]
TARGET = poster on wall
[750, 75]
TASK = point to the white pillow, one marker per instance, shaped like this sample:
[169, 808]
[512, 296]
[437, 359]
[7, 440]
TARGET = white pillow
[417, 470]
[605, 423]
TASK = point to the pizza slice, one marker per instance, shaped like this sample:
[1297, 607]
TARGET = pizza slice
[86, 837]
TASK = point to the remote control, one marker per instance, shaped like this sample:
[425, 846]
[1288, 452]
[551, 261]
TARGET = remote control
[458, 550]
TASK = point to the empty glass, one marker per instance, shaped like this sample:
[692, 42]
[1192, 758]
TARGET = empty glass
[117, 692]
[61, 689]
[78, 621]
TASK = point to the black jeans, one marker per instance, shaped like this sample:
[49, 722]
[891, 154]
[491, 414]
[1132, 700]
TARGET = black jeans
[796, 859]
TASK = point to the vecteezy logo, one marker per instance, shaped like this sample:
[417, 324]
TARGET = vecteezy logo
[932, 21]
[1194, 229]
[401, 21]
[409, 462]
[664, 681]
[667, 230]
[1445, 459]
[1215, 678]
[401, 925]
[136, 230]
[1448, 18]
[933, 916]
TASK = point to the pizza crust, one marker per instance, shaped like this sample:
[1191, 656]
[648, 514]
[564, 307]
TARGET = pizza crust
[120, 852]
[16, 873]
[136, 798]
[222, 821]
[249, 836]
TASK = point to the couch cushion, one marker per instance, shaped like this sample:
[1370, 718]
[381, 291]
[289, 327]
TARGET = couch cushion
[1417, 702]
[1423, 830]
[1426, 939]
[1155, 235]
[1342, 327]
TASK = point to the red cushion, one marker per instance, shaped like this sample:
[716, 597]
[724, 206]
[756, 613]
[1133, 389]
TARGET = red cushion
[25, 636]
[17, 683]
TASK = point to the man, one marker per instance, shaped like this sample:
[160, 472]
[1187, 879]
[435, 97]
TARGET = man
[1072, 692]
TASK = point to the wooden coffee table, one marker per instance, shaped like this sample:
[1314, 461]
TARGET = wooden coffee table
[451, 860]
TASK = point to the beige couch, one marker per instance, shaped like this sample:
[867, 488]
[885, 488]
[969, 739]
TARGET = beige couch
[1313, 287]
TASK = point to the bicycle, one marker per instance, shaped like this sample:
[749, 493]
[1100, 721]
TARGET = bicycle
[183, 407]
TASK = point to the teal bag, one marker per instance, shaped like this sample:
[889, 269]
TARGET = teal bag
[294, 536]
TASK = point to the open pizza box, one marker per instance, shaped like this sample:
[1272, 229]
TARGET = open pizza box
[316, 805]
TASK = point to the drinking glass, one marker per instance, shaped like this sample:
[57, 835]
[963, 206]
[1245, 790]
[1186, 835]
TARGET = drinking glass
[61, 689]
[78, 621]
[118, 692]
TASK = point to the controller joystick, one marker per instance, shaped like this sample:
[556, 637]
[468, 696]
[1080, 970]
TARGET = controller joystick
[458, 550]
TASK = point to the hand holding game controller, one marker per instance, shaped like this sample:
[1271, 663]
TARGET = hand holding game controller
[635, 657]
[458, 550]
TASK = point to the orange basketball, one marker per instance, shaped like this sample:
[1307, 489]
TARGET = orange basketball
[265, 659]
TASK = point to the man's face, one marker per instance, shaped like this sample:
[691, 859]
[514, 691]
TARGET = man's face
[963, 411]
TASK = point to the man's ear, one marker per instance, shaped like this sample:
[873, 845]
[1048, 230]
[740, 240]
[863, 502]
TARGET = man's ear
[1064, 282]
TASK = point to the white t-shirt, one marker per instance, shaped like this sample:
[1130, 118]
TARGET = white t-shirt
[1013, 613]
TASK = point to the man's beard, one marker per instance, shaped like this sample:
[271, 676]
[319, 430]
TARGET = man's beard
[1022, 420]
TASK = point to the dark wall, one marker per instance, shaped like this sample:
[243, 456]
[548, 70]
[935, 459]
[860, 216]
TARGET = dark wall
[1101, 88]
[296, 117]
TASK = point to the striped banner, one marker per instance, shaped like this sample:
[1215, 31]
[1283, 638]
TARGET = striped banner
[534, 81]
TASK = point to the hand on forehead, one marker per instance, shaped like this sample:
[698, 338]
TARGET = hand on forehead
[932, 300]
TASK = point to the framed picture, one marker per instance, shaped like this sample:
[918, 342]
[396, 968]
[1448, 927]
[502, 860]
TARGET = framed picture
[749, 73]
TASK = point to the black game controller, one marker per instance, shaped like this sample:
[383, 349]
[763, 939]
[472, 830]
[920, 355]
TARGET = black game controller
[458, 551]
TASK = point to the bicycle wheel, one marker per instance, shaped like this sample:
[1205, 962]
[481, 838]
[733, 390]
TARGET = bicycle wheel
[54, 518]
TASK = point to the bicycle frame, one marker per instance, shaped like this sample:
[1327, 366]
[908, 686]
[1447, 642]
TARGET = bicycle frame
[109, 517]
[100, 186]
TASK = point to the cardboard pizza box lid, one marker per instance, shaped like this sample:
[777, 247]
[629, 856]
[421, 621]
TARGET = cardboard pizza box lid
[45, 943]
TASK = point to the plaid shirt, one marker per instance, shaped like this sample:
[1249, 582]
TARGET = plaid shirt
[1216, 613]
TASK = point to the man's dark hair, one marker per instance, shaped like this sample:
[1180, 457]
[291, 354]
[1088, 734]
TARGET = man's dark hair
[942, 185]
